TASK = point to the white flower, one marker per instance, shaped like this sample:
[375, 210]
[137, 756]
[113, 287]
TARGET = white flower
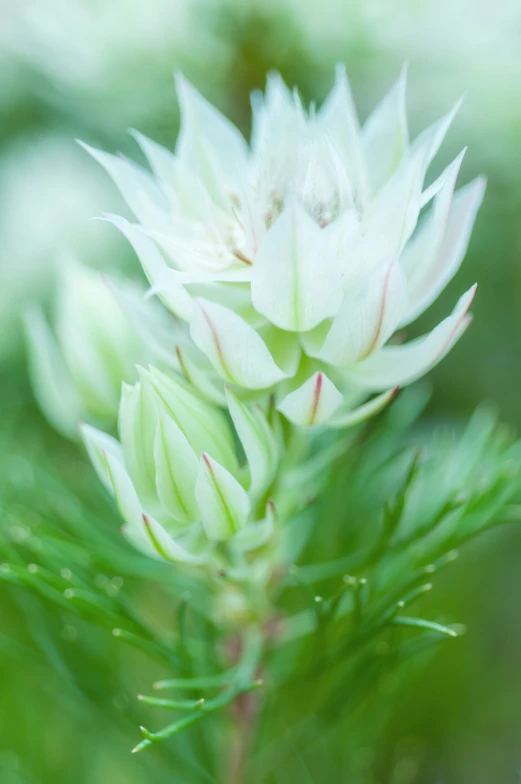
[175, 475]
[296, 259]
[77, 368]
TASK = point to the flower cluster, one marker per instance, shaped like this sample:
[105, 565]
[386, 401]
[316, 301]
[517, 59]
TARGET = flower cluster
[175, 473]
[295, 260]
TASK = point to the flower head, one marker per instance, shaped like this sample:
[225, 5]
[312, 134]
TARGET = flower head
[296, 259]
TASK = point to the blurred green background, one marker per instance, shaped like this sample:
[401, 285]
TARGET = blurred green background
[92, 69]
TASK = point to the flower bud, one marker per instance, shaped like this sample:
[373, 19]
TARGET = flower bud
[175, 473]
[78, 366]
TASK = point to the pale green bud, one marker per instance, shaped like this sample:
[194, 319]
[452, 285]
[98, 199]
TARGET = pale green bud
[77, 366]
[175, 475]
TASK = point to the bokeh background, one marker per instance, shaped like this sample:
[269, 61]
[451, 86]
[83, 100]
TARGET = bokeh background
[92, 69]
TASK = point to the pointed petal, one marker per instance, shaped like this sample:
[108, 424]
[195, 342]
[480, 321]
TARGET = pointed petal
[223, 503]
[165, 546]
[208, 142]
[400, 365]
[154, 325]
[363, 412]
[51, 382]
[137, 422]
[386, 135]
[179, 183]
[203, 425]
[233, 347]
[313, 403]
[176, 471]
[125, 494]
[434, 255]
[255, 535]
[200, 375]
[296, 281]
[395, 210]
[338, 120]
[137, 186]
[257, 441]
[98, 445]
[370, 312]
[430, 140]
[170, 288]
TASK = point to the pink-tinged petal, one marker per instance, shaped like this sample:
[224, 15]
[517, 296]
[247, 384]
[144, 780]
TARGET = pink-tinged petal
[222, 501]
[313, 403]
[400, 365]
[369, 314]
[233, 347]
[363, 412]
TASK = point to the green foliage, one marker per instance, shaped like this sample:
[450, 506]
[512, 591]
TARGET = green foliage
[347, 629]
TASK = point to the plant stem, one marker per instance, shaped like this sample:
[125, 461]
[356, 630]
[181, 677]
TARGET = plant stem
[245, 710]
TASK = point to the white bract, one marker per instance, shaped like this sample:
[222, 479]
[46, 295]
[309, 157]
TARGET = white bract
[77, 367]
[175, 474]
[295, 259]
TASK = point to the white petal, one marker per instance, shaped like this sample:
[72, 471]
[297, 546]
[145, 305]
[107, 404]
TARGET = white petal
[394, 212]
[338, 120]
[176, 471]
[233, 347]
[137, 186]
[208, 142]
[296, 281]
[257, 441]
[394, 366]
[181, 185]
[385, 135]
[370, 312]
[170, 288]
[313, 403]
[363, 412]
[434, 255]
[284, 347]
[431, 138]
[98, 445]
[51, 382]
[223, 503]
